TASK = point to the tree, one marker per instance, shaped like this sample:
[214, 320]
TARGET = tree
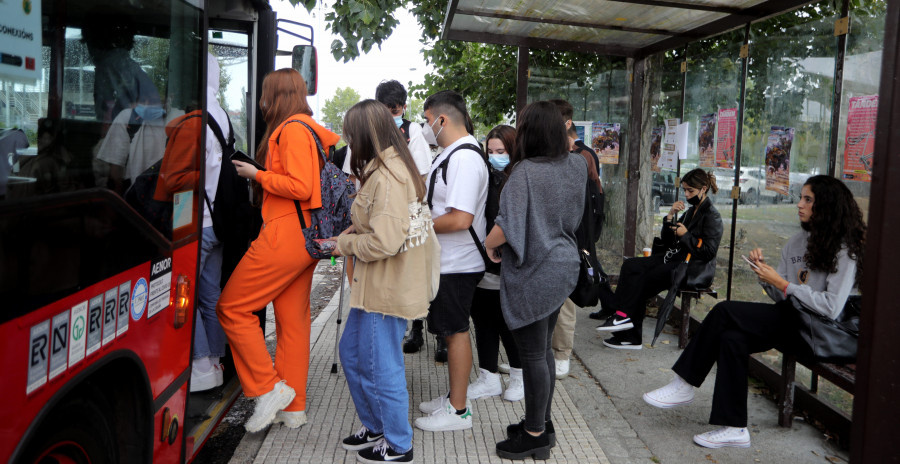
[336, 107]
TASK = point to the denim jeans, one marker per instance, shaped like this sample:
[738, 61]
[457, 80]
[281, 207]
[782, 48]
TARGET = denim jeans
[372, 359]
[538, 369]
[209, 339]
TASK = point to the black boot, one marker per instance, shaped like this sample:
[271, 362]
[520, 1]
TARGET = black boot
[440, 350]
[414, 341]
[548, 430]
[522, 445]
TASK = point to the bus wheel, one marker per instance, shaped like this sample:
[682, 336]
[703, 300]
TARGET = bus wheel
[80, 431]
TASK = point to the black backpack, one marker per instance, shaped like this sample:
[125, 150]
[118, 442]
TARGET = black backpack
[496, 179]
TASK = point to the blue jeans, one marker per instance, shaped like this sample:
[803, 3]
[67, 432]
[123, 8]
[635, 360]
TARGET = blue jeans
[209, 339]
[372, 357]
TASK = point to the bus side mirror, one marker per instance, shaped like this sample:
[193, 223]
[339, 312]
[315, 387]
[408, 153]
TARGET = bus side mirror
[305, 60]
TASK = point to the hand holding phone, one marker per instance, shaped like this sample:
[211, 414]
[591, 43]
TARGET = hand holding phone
[242, 157]
[751, 263]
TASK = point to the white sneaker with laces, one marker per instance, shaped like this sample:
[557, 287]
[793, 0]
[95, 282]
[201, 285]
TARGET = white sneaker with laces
[202, 381]
[515, 389]
[446, 419]
[487, 384]
[290, 419]
[268, 405]
[676, 393]
[734, 437]
[503, 368]
[562, 368]
[431, 406]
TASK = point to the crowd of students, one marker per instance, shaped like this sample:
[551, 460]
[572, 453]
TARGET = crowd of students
[490, 238]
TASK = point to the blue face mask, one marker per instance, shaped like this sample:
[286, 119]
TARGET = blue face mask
[398, 120]
[499, 162]
[149, 113]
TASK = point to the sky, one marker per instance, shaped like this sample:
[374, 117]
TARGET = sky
[400, 56]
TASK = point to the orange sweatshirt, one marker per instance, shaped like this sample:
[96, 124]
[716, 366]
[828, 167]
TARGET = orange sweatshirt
[293, 168]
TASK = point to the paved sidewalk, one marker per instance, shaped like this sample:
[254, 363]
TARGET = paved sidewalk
[332, 415]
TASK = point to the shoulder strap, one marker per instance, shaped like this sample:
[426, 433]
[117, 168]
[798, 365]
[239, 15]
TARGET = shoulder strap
[321, 151]
[405, 128]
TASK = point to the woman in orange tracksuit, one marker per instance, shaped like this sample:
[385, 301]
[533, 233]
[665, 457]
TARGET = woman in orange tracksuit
[277, 267]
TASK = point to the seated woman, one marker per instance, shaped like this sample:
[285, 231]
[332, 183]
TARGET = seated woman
[819, 267]
[697, 232]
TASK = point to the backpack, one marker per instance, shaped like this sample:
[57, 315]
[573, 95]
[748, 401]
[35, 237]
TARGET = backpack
[334, 215]
[496, 179]
[596, 200]
[404, 129]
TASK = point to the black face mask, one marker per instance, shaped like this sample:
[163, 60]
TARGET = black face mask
[695, 200]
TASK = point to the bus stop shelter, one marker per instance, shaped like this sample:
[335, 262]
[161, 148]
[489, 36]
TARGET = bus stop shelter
[644, 32]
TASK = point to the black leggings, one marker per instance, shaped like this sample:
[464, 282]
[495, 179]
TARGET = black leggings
[538, 369]
[639, 279]
[490, 330]
[730, 333]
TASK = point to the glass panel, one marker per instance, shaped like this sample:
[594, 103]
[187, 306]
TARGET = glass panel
[597, 88]
[232, 52]
[125, 73]
[790, 85]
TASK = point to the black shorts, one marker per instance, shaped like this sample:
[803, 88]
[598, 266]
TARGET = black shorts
[449, 312]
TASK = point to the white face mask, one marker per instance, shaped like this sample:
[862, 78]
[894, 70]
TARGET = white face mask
[429, 134]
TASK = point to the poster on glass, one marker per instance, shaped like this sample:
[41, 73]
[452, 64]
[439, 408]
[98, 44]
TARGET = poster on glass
[605, 141]
[860, 141]
[725, 137]
[778, 159]
[655, 147]
[669, 157]
[706, 140]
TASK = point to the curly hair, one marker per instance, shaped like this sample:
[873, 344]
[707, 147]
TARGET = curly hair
[836, 221]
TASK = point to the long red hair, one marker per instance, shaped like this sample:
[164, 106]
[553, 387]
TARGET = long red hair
[283, 95]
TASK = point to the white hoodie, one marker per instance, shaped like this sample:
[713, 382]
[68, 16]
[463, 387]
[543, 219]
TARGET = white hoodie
[213, 148]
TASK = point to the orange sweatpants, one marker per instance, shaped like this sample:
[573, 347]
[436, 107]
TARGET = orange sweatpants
[276, 268]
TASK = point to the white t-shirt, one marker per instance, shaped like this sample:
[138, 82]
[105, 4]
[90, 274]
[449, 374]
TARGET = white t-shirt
[138, 153]
[465, 190]
[421, 152]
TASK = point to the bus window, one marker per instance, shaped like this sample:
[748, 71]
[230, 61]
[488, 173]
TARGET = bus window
[231, 50]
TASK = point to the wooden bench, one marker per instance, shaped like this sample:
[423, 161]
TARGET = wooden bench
[686, 297]
[842, 376]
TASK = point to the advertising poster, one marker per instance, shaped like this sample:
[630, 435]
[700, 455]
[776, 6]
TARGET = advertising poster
[778, 159]
[725, 138]
[681, 140]
[859, 145]
[656, 137]
[669, 157]
[605, 141]
[706, 140]
[20, 49]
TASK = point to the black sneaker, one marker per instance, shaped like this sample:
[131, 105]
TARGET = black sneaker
[383, 453]
[440, 350]
[602, 314]
[414, 341]
[618, 322]
[548, 429]
[623, 343]
[362, 439]
[521, 445]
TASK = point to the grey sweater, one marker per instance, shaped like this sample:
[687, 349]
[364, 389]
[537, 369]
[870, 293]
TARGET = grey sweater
[822, 292]
[540, 208]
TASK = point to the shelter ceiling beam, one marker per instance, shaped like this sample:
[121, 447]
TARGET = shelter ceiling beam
[533, 42]
[684, 6]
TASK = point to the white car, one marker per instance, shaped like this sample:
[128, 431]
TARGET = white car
[753, 187]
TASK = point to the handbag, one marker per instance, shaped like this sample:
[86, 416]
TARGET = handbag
[587, 289]
[829, 340]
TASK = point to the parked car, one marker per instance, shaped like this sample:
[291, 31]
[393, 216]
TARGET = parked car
[753, 187]
[663, 190]
[797, 181]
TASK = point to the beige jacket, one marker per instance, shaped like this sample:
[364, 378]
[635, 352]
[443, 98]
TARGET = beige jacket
[397, 253]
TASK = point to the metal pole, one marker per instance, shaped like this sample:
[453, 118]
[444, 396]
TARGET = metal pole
[337, 335]
[838, 93]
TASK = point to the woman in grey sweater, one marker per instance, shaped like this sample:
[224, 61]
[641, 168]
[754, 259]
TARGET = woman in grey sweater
[819, 267]
[540, 208]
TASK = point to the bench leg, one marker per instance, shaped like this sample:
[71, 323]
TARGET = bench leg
[685, 321]
[786, 395]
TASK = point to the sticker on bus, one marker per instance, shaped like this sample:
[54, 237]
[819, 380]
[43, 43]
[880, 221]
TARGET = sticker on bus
[160, 285]
[95, 324]
[37, 356]
[139, 299]
[124, 309]
[183, 209]
[59, 340]
[110, 299]
[77, 336]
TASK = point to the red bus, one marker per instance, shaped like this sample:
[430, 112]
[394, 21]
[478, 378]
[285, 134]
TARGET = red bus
[97, 300]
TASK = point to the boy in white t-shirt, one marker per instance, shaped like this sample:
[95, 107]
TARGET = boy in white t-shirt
[457, 198]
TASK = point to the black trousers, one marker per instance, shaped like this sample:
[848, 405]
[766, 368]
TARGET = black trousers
[490, 330]
[730, 333]
[538, 369]
[639, 279]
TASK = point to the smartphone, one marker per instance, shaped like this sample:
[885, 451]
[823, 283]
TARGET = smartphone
[242, 157]
[754, 266]
[325, 244]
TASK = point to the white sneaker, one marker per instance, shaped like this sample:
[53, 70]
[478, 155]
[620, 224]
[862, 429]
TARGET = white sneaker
[446, 419]
[562, 368]
[436, 404]
[488, 384]
[202, 381]
[676, 393]
[220, 374]
[515, 389]
[735, 437]
[503, 368]
[290, 419]
[268, 405]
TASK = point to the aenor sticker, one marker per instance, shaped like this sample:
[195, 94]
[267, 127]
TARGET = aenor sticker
[123, 308]
[78, 334]
[110, 300]
[38, 345]
[160, 285]
[59, 341]
[95, 324]
[139, 299]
